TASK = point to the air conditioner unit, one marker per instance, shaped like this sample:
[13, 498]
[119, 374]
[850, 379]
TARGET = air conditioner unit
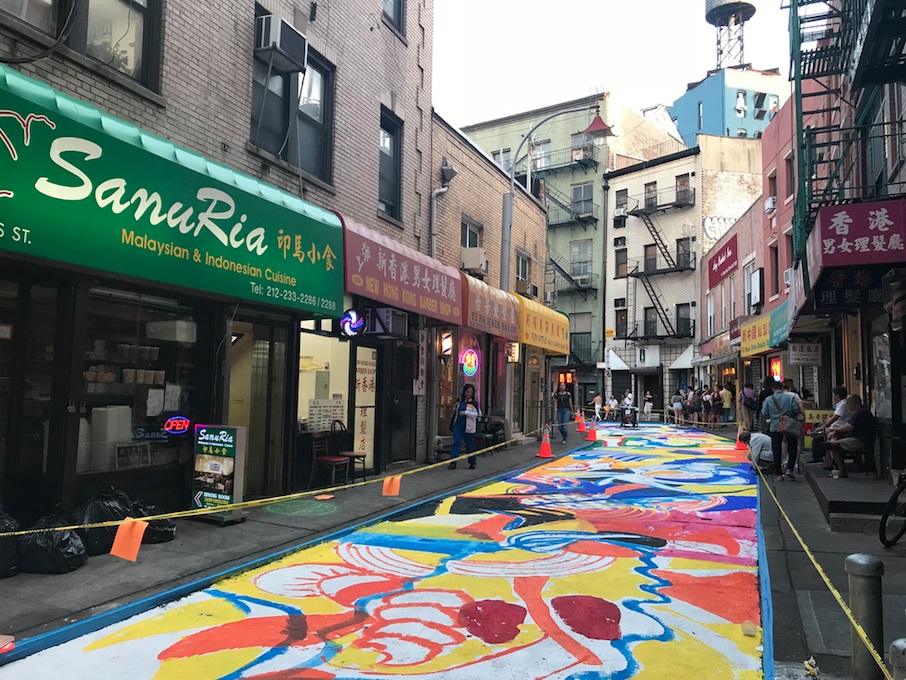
[787, 277]
[549, 297]
[526, 288]
[770, 204]
[474, 260]
[621, 211]
[582, 280]
[580, 154]
[279, 44]
[387, 321]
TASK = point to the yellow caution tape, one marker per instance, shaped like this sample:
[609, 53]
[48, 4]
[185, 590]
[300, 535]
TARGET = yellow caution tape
[195, 512]
[830, 586]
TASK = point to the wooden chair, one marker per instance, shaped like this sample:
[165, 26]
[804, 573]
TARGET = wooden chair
[321, 455]
[342, 446]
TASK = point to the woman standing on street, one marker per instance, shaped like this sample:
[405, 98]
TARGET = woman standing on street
[467, 413]
[649, 404]
[564, 402]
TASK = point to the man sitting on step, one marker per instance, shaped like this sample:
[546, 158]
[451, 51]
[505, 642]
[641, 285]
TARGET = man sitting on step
[856, 438]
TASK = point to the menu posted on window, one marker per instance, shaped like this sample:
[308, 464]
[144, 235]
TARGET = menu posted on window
[218, 477]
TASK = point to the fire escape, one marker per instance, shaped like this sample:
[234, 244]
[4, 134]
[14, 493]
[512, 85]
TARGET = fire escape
[664, 261]
[562, 211]
[840, 52]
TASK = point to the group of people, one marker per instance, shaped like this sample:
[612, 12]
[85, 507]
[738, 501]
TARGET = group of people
[850, 431]
[705, 407]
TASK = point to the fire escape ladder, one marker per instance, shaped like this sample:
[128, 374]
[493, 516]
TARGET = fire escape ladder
[559, 199]
[632, 322]
[563, 267]
[655, 296]
[658, 240]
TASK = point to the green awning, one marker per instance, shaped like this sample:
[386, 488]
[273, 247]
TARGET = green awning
[80, 186]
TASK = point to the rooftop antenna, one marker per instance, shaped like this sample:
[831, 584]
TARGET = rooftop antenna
[729, 17]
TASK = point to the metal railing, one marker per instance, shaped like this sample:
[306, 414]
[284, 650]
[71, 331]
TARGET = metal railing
[583, 281]
[576, 212]
[845, 165]
[655, 329]
[664, 199]
[648, 266]
[582, 156]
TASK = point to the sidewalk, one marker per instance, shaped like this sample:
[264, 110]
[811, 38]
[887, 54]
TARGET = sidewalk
[32, 604]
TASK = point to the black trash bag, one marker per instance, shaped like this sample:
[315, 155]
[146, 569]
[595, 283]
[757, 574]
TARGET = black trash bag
[51, 552]
[9, 556]
[159, 530]
[107, 505]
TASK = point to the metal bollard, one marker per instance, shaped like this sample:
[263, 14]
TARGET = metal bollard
[898, 658]
[865, 572]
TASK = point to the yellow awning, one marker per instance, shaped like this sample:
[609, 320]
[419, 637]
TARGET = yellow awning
[543, 327]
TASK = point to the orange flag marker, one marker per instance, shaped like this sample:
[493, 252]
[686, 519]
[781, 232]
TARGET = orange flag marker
[128, 539]
[391, 486]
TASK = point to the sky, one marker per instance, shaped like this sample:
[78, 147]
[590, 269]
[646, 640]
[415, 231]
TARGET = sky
[493, 58]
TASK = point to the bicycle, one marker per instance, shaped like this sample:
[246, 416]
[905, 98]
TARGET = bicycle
[893, 521]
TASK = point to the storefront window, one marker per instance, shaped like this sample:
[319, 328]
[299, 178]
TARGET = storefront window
[323, 379]
[138, 382]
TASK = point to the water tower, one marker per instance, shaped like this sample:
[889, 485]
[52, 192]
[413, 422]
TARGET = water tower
[729, 17]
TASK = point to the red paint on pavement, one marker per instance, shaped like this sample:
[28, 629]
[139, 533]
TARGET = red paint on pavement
[725, 595]
[590, 616]
[494, 621]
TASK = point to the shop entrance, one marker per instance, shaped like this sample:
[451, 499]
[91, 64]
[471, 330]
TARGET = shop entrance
[402, 410]
[258, 402]
[33, 398]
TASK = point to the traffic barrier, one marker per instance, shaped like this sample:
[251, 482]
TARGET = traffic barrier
[592, 434]
[545, 450]
[580, 419]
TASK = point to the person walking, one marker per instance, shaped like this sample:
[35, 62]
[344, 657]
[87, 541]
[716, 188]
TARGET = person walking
[676, 405]
[779, 404]
[748, 402]
[598, 401]
[649, 404]
[726, 398]
[467, 413]
[564, 402]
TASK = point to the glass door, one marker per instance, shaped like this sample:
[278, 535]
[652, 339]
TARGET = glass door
[258, 402]
[32, 416]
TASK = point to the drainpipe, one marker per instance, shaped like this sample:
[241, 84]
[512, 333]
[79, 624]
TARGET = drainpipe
[432, 234]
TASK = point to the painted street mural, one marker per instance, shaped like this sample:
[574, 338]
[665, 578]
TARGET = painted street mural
[634, 558]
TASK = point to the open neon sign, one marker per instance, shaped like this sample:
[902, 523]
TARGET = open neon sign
[177, 425]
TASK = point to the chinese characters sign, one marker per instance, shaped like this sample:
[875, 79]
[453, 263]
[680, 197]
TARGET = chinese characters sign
[805, 354]
[858, 234]
[381, 269]
[723, 262]
[363, 416]
[756, 337]
[82, 187]
[845, 287]
[780, 324]
[490, 309]
[543, 327]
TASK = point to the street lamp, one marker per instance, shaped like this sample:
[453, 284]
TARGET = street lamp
[598, 131]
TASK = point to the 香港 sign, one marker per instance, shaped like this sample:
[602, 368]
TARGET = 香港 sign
[380, 269]
[857, 234]
[723, 262]
[82, 187]
[218, 478]
[805, 354]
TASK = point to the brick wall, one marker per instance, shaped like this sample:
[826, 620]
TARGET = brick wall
[205, 95]
[476, 193]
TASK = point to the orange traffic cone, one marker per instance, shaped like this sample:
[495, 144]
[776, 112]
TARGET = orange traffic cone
[545, 450]
[739, 445]
[581, 421]
[592, 434]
